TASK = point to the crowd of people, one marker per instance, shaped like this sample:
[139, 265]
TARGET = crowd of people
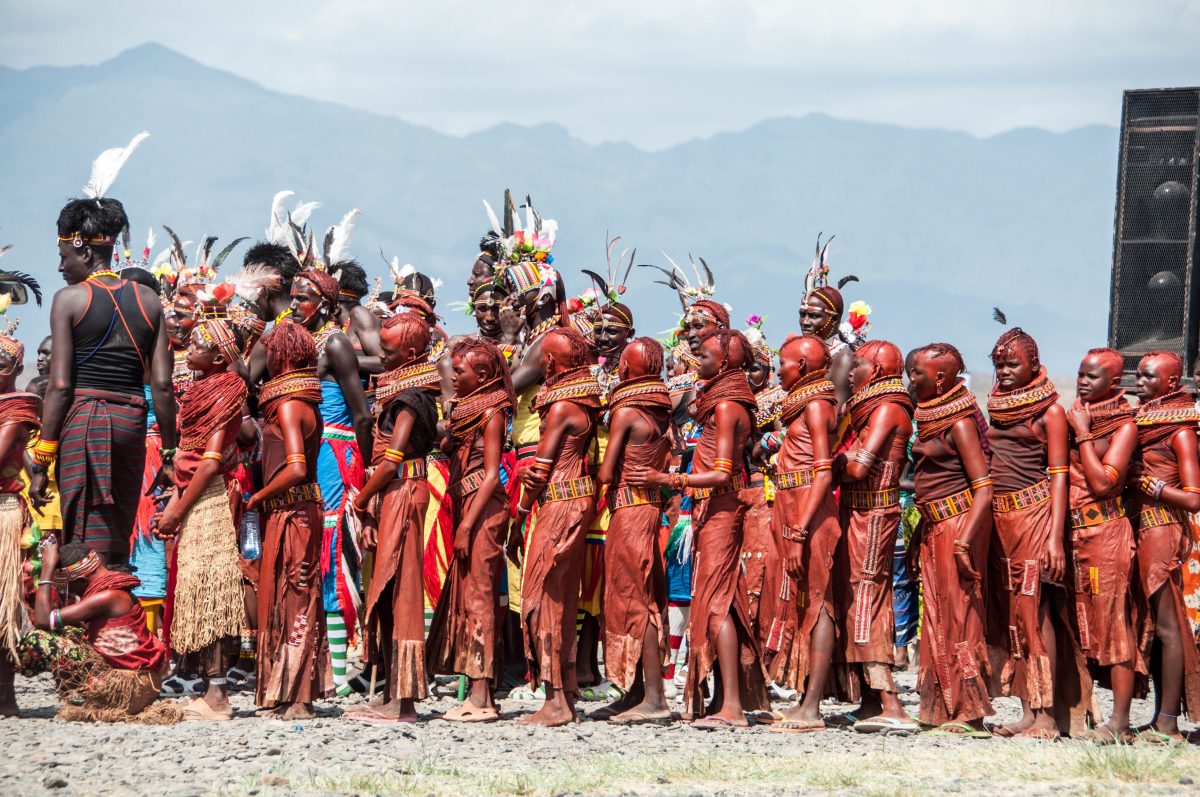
[225, 478]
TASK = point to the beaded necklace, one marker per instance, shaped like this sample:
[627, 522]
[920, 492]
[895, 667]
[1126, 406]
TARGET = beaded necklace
[885, 390]
[812, 387]
[1023, 404]
[940, 413]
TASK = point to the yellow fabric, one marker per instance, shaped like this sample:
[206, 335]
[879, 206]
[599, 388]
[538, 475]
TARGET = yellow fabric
[526, 425]
[441, 553]
[49, 517]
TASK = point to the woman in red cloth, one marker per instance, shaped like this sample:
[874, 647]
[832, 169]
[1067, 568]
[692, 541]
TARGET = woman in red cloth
[1102, 447]
[462, 636]
[635, 588]
[1168, 487]
[881, 418]
[293, 656]
[805, 523]
[720, 638]
[392, 506]
[116, 671]
[1029, 467]
[18, 421]
[954, 497]
[207, 605]
[567, 404]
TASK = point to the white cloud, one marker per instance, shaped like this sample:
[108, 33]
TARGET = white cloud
[658, 72]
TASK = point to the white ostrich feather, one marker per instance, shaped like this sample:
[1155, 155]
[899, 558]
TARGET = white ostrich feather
[108, 165]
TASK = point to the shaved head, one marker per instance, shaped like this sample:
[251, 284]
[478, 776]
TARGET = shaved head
[1108, 359]
[809, 349]
[884, 355]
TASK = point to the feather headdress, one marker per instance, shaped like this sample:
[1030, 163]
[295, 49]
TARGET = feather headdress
[253, 280]
[279, 226]
[203, 268]
[677, 280]
[126, 259]
[336, 246]
[108, 165]
[10, 280]
[609, 289]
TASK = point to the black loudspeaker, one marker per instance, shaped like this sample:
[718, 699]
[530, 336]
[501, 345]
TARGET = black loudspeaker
[1155, 295]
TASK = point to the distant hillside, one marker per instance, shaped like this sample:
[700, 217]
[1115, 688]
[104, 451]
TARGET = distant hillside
[939, 226]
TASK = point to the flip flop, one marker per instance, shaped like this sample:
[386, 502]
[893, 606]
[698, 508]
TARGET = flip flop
[1103, 736]
[200, 711]
[1155, 737]
[664, 717]
[469, 712]
[960, 729]
[376, 719]
[797, 726]
[715, 723]
[843, 720]
[887, 726]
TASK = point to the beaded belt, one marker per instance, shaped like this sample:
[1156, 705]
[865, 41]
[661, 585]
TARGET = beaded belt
[293, 495]
[1032, 495]
[1159, 516]
[1097, 513]
[793, 479]
[468, 484]
[945, 508]
[871, 499]
[569, 489]
[632, 496]
[736, 484]
[412, 469]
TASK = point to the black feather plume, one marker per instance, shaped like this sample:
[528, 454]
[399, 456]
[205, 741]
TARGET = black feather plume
[176, 248]
[846, 280]
[600, 284]
[999, 316]
[21, 278]
[224, 253]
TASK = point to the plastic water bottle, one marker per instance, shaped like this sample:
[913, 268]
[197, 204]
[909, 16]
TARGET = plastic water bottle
[251, 536]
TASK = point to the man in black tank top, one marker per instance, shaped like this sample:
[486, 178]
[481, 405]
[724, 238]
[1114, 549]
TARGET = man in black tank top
[108, 341]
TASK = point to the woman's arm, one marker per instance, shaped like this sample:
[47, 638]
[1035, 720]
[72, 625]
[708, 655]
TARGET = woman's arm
[1054, 422]
[177, 510]
[1187, 495]
[293, 416]
[618, 436]
[493, 446]
[965, 435]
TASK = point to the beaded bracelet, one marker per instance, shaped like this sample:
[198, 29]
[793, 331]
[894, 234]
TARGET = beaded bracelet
[1151, 486]
[55, 620]
[214, 455]
[865, 457]
[822, 464]
[1112, 473]
[1057, 469]
[1191, 489]
[984, 481]
[297, 459]
[393, 455]
[795, 534]
[723, 465]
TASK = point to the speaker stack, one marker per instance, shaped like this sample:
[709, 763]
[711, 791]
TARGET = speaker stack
[1155, 299]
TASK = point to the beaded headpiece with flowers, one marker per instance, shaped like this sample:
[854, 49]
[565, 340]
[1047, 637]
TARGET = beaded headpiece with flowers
[173, 270]
[817, 290]
[605, 294]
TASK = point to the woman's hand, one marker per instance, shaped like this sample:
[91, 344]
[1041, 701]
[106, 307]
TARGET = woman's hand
[462, 541]
[793, 557]
[1054, 560]
[641, 476]
[49, 549]
[254, 503]
[1080, 419]
[962, 561]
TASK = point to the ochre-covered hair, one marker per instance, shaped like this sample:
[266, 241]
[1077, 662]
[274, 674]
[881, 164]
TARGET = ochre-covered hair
[485, 353]
[407, 330]
[813, 344]
[1173, 361]
[652, 354]
[714, 309]
[577, 345]
[325, 284]
[1110, 359]
[618, 311]
[289, 347]
[1019, 339]
[734, 348]
[885, 355]
[945, 352]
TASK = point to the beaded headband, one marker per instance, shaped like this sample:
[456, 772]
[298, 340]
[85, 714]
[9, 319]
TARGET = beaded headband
[77, 240]
[217, 334]
[81, 569]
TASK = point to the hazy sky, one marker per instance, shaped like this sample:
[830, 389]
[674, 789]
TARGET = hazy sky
[655, 72]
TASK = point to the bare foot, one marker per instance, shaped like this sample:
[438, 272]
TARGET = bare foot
[295, 711]
[801, 713]
[550, 715]
[218, 701]
[722, 719]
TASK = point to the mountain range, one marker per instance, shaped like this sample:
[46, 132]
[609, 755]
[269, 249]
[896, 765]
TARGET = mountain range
[938, 226]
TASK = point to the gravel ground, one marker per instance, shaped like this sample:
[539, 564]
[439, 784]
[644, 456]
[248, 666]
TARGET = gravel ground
[331, 755]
